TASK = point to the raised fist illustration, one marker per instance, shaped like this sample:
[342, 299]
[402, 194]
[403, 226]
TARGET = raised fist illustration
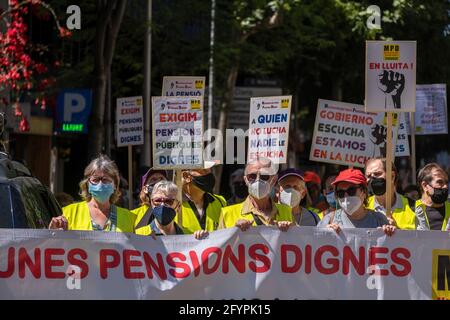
[379, 133]
[392, 84]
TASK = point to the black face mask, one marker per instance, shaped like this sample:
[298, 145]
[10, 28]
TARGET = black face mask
[440, 195]
[378, 186]
[240, 190]
[206, 182]
[164, 215]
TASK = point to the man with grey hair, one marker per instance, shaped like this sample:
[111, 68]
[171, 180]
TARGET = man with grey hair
[258, 208]
[238, 187]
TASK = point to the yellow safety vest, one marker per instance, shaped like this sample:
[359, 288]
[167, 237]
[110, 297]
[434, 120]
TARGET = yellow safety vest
[232, 214]
[139, 212]
[78, 218]
[189, 222]
[446, 217]
[405, 217]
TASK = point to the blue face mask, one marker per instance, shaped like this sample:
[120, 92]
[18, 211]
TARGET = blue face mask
[164, 215]
[331, 199]
[101, 192]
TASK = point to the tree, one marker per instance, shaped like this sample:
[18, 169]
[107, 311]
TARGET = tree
[23, 69]
[247, 18]
[110, 14]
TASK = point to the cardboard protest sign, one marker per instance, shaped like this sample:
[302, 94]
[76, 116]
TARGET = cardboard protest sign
[177, 132]
[345, 134]
[390, 76]
[183, 86]
[431, 110]
[269, 128]
[129, 121]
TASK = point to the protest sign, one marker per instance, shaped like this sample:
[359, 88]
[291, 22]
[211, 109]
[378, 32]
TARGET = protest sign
[431, 110]
[390, 76]
[269, 128]
[129, 121]
[345, 134]
[177, 132]
[183, 86]
[261, 263]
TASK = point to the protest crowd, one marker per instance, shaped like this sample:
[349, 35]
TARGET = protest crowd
[261, 196]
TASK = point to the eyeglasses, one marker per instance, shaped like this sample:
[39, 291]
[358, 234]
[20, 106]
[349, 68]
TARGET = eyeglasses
[252, 177]
[167, 202]
[350, 191]
[96, 180]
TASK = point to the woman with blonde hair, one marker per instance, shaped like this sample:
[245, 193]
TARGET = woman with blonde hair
[100, 191]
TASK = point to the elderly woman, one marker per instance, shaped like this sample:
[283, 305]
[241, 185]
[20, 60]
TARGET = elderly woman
[351, 194]
[159, 220]
[100, 190]
[148, 182]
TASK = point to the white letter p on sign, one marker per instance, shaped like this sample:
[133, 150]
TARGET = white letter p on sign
[73, 103]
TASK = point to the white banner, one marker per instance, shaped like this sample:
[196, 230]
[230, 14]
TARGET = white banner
[269, 128]
[177, 132]
[345, 134]
[129, 121]
[431, 110]
[390, 76]
[261, 263]
[183, 86]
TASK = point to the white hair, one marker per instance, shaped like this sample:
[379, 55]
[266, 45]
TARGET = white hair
[272, 168]
[166, 187]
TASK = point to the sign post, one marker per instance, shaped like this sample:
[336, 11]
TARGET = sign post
[389, 160]
[130, 132]
[130, 177]
[413, 147]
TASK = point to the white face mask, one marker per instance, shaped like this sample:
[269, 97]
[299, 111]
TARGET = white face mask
[350, 204]
[290, 197]
[259, 189]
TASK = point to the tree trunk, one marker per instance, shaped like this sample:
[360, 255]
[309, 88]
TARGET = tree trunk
[224, 110]
[108, 24]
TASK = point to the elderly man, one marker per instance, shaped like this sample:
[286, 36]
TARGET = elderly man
[258, 208]
[292, 189]
[402, 210]
[433, 209]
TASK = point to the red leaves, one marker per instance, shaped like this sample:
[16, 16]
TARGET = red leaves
[24, 126]
[19, 69]
[17, 110]
[64, 33]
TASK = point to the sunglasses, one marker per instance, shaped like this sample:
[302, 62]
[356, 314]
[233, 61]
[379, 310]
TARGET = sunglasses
[350, 191]
[252, 177]
[167, 202]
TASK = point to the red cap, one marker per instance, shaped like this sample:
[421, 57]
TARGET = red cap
[354, 176]
[311, 176]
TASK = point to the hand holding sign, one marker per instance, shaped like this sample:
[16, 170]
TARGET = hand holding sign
[392, 84]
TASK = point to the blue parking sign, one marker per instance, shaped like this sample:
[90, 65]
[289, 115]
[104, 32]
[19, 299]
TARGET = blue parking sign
[73, 110]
